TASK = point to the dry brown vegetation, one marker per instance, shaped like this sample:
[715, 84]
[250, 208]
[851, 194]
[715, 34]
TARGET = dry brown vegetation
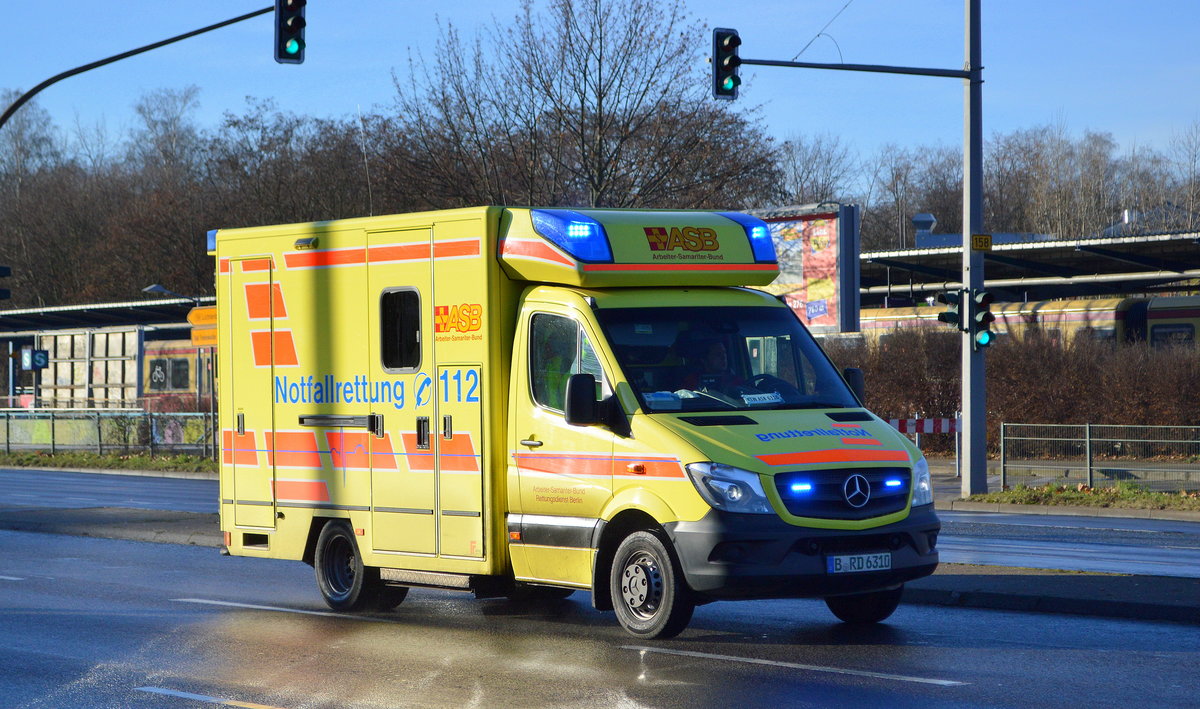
[1030, 379]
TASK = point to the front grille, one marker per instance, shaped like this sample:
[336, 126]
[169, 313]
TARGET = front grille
[822, 493]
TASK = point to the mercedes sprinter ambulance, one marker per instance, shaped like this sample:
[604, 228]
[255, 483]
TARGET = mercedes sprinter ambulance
[529, 402]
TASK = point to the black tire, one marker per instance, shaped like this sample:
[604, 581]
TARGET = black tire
[865, 608]
[648, 592]
[528, 592]
[345, 584]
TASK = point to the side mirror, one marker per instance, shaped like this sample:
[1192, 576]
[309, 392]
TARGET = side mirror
[580, 404]
[858, 384]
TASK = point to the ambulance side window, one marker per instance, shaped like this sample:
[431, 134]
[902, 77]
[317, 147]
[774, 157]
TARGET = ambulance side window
[400, 329]
[559, 348]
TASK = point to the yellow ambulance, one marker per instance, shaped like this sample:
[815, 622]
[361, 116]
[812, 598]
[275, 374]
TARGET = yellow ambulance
[528, 402]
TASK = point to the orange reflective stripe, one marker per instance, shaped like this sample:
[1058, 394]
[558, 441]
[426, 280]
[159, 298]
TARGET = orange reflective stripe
[458, 454]
[419, 461]
[634, 267]
[293, 449]
[535, 249]
[456, 249]
[273, 347]
[398, 252]
[837, 455]
[324, 259]
[240, 449]
[264, 300]
[256, 264]
[349, 449]
[301, 490]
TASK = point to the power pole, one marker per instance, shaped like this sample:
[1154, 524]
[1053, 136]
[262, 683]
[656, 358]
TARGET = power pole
[974, 408]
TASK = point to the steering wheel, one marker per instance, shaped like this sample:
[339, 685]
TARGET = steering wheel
[770, 382]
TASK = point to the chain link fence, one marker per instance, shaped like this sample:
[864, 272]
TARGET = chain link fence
[108, 431]
[1159, 458]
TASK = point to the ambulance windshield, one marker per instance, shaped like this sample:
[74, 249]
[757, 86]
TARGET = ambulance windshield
[722, 359]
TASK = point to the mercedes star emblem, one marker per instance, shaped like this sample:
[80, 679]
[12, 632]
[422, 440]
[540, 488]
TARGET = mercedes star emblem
[857, 490]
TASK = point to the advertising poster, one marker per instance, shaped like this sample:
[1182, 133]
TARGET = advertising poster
[817, 247]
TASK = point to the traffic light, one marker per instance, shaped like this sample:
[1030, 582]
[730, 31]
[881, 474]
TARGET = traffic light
[725, 63]
[289, 31]
[981, 319]
[953, 312]
[5, 272]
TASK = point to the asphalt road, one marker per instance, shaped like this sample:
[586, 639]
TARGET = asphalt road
[1106, 545]
[99, 622]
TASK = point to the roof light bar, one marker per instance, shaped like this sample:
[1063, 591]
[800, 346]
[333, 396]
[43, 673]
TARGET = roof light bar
[577, 234]
[759, 235]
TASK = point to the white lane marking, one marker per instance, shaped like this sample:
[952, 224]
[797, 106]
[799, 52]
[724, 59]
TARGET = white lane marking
[11, 578]
[203, 698]
[797, 666]
[251, 606]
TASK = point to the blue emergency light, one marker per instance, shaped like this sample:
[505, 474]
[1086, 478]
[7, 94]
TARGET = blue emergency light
[758, 233]
[577, 234]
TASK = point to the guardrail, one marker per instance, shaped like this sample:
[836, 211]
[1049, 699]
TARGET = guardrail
[1162, 458]
[110, 431]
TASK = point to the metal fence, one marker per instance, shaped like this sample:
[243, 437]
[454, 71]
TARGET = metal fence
[108, 431]
[1161, 458]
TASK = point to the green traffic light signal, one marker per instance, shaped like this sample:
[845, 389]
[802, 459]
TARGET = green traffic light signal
[981, 319]
[725, 63]
[289, 31]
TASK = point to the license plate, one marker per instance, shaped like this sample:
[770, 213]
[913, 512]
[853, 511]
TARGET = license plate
[854, 563]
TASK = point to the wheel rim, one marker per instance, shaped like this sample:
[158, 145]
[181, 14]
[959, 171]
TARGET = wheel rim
[339, 566]
[642, 586]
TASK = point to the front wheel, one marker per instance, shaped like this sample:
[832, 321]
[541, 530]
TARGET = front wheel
[347, 585]
[649, 595]
[864, 608]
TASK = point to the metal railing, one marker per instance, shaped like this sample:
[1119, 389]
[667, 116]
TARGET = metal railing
[110, 431]
[1160, 458]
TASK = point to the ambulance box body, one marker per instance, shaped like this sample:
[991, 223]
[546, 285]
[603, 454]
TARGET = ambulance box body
[527, 402]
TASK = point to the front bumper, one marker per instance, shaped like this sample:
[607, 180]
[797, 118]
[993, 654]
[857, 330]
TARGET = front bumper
[728, 556]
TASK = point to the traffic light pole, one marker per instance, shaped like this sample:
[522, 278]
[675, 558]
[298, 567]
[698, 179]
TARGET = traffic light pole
[974, 410]
[118, 57]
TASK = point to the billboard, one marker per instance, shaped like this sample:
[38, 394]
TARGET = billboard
[817, 247]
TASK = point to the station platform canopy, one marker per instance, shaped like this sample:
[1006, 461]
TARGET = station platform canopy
[1039, 269]
[163, 311]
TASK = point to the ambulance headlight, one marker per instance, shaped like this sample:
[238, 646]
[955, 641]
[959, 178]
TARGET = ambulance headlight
[729, 489]
[577, 234]
[922, 484]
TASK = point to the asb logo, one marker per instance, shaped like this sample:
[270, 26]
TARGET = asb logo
[689, 238]
[467, 317]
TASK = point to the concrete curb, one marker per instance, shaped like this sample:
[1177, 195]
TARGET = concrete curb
[183, 475]
[990, 600]
[1067, 510]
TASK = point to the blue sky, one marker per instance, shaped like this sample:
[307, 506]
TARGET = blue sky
[1127, 67]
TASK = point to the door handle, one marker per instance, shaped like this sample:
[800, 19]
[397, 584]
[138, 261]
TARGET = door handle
[531, 443]
[423, 433]
[241, 424]
[447, 427]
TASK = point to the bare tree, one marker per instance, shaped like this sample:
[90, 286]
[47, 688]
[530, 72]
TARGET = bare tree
[816, 169]
[576, 107]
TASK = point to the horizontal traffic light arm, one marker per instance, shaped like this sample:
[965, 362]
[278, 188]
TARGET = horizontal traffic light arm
[24, 98]
[877, 68]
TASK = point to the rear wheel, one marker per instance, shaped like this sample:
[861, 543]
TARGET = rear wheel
[345, 584]
[648, 593]
[863, 608]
